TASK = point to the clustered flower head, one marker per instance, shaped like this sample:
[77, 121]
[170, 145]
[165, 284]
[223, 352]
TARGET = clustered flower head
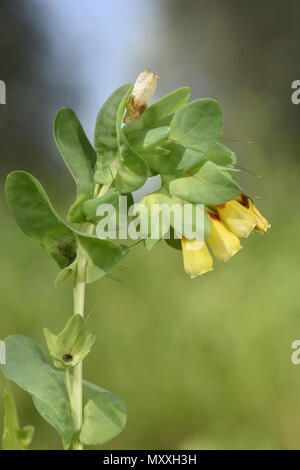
[230, 221]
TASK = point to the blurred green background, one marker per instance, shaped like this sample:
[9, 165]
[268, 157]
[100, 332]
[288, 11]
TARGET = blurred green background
[201, 364]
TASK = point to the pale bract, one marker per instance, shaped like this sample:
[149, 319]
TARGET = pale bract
[144, 88]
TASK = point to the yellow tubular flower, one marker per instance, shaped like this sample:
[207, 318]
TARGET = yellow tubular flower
[196, 257]
[240, 220]
[144, 87]
[223, 243]
[262, 224]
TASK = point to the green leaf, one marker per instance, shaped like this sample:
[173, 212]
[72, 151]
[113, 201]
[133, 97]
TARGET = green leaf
[198, 124]
[65, 273]
[105, 138]
[70, 346]
[174, 242]
[14, 437]
[114, 274]
[27, 367]
[93, 273]
[104, 254]
[146, 139]
[111, 144]
[195, 129]
[159, 198]
[159, 110]
[89, 208]
[158, 161]
[37, 218]
[206, 184]
[104, 175]
[39, 221]
[221, 155]
[78, 154]
[132, 170]
[174, 159]
[178, 215]
[104, 418]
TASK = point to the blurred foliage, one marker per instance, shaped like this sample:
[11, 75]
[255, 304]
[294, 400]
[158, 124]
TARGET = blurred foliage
[203, 363]
[35, 88]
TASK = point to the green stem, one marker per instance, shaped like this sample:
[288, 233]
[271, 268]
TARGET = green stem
[79, 296]
[68, 382]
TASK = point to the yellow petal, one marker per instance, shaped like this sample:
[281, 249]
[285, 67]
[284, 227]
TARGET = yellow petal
[262, 224]
[142, 92]
[196, 257]
[240, 220]
[223, 242]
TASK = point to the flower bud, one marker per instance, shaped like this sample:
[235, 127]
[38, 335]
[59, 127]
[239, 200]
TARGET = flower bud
[262, 224]
[142, 92]
[223, 243]
[196, 257]
[240, 220]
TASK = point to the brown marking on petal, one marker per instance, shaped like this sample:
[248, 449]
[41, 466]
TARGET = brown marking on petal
[244, 200]
[213, 216]
[221, 206]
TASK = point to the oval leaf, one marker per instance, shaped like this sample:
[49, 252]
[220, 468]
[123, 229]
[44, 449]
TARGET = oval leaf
[89, 208]
[146, 139]
[208, 185]
[221, 155]
[177, 158]
[198, 124]
[78, 154]
[159, 110]
[27, 367]
[105, 137]
[65, 273]
[37, 218]
[195, 129]
[104, 254]
[104, 418]
[132, 170]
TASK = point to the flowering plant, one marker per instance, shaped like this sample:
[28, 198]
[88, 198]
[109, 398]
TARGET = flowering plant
[173, 138]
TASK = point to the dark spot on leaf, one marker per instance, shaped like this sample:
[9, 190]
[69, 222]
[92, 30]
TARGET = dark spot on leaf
[67, 250]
